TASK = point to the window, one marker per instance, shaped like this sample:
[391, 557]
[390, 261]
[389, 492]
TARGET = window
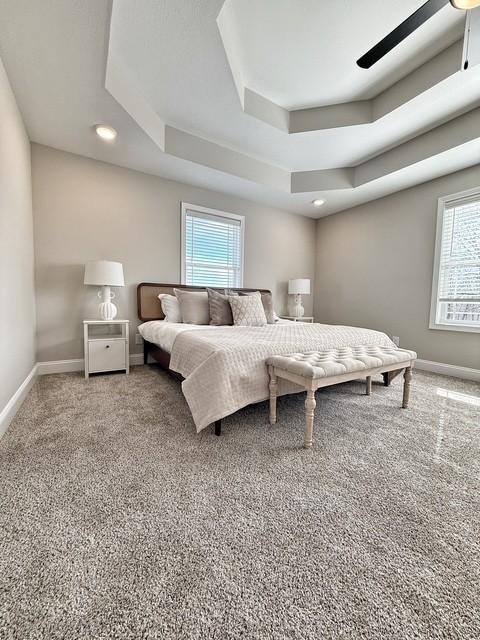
[456, 275]
[212, 247]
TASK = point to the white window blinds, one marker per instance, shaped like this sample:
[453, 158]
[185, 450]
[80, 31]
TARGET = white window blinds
[458, 296]
[212, 248]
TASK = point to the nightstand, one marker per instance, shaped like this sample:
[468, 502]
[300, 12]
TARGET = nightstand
[106, 346]
[299, 319]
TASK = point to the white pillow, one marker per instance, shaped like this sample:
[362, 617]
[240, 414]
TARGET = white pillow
[248, 311]
[170, 307]
[193, 306]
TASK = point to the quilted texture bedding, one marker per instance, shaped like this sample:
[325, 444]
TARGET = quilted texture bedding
[225, 369]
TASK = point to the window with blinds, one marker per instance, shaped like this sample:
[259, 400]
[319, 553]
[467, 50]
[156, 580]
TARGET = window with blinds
[212, 247]
[456, 294]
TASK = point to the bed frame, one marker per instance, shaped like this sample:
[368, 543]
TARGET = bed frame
[149, 308]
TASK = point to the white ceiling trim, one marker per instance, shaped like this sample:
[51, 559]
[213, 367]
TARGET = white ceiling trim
[460, 131]
[121, 87]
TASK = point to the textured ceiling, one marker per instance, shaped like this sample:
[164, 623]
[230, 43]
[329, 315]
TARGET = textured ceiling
[210, 93]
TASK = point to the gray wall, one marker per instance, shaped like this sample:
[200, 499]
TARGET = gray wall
[17, 302]
[374, 268]
[88, 210]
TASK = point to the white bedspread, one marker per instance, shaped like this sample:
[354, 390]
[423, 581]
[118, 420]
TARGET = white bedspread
[164, 333]
[224, 367]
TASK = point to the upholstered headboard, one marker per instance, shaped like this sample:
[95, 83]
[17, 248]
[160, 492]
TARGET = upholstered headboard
[148, 303]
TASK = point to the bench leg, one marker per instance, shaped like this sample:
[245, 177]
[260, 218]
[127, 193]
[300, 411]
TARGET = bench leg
[369, 385]
[407, 376]
[310, 405]
[273, 395]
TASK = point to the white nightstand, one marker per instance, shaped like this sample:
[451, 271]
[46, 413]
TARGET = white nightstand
[299, 319]
[106, 346]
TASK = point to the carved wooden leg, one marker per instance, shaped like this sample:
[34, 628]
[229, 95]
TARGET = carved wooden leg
[407, 376]
[273, 395]
[369, 385]
[310, 405]
[218, 427]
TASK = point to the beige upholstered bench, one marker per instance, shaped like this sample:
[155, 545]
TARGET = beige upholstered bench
[323, 368]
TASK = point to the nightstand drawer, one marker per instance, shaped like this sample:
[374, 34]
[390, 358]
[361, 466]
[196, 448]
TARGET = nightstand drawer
[106, 355]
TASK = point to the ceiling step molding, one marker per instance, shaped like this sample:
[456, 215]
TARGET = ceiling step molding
[187, 146]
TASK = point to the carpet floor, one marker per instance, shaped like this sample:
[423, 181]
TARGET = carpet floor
[118, 521]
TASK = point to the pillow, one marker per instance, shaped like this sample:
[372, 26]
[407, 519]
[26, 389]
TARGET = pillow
[267, 302]
[220, 309]
[193, 306]
[170, 307]
[247, 311]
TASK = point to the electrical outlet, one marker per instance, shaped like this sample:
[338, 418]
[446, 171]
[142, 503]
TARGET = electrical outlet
[138, 339]
[396, 340]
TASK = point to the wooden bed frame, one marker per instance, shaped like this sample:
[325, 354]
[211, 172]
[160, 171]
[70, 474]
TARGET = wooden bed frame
[149, 308]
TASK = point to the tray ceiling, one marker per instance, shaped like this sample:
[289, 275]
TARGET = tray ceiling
[260, 98]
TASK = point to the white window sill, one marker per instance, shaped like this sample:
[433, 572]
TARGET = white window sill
[455, 327]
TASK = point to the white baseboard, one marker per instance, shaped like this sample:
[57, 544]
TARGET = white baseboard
[60, 366]
[13, 405]
[77, 364]
[448, 370]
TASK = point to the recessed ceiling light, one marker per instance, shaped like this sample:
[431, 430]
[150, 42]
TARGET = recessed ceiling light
[105, 132]
[318, 203]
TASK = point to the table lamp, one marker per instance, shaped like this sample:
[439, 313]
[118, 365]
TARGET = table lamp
[105, 274]
[297, 288]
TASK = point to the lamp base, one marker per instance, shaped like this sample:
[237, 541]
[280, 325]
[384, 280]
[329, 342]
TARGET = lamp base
[106, 308]
[297, 310]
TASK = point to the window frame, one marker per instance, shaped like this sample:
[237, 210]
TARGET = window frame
[443, 203]
[186, 206]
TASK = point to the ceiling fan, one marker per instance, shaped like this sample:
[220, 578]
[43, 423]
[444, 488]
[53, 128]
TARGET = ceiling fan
[408, 26]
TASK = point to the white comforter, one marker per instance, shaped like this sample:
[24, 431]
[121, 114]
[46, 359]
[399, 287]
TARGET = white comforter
[224, 367]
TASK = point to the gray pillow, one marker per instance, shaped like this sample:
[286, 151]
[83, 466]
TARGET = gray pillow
[267, 302]
[193, 306]
[220, 309]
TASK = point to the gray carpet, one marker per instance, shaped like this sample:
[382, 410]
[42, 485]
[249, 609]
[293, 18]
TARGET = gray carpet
[118, 521]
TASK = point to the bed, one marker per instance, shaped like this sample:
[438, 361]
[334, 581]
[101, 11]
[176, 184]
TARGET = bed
[223, 368]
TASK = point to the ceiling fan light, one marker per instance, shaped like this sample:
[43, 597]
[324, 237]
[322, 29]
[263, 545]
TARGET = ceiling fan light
[465, 4]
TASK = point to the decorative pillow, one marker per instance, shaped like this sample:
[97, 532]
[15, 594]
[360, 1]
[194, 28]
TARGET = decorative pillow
[170, 307]
[248, 310]
[267, 302]
[193, 306]
[220, 309]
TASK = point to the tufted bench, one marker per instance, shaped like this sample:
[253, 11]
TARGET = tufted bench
[317, 369]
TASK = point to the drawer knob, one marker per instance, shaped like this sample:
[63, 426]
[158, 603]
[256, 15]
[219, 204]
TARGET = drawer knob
[107, 346]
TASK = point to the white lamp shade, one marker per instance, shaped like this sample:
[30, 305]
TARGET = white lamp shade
[300, 285]
[104, 273]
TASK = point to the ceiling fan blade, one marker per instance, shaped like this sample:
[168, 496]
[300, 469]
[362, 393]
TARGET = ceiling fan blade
[401, 32]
